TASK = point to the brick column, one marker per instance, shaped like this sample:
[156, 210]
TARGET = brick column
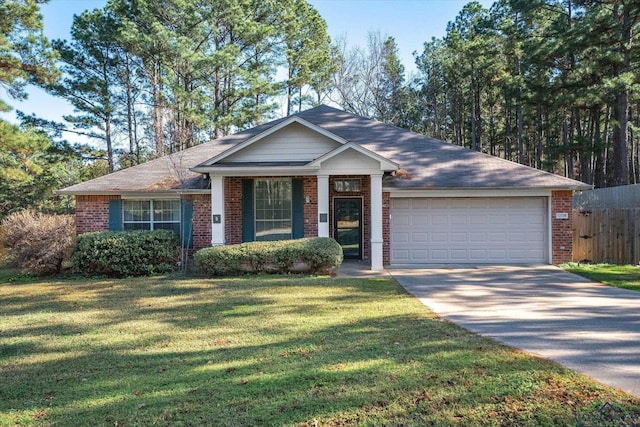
[201, 221]
[233, 210]
[561, 229]
[386, 228]
[311, 209]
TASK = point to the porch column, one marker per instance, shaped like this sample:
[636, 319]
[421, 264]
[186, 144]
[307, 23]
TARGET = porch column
[323, 205]
[376, 223]
[217, 210]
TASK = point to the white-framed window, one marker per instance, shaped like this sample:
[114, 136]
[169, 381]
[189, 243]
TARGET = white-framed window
[151, 215]
[273, 209]
[352, 185]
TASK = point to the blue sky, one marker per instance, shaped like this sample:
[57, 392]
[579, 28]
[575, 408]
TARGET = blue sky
[410, 22]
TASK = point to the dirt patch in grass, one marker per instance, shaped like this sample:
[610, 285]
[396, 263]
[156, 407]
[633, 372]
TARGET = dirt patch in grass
[263, 351]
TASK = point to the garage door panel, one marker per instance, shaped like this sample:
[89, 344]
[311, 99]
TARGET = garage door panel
[401, 203]
[400, 238]
[438, 255]
[401, 220]
[497, 254]
[420, 237]
[477, 254]
[419, 254]
[498, 219]
[534, 238]
[478, 237]
[419, 204]
[439, 237]
[439, 219]
[459, 255]
[517, 237]
[459, 219]
[458, 237]
[420, 220]
[479, 219]
[497, 237]
[477, 230]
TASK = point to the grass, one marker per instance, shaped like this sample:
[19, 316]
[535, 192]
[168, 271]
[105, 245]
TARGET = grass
[620, 276]
[263, 351]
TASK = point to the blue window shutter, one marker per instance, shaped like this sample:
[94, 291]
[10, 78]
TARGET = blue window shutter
[186, 223]
[115, 215]
[297, 205]
[248, 223]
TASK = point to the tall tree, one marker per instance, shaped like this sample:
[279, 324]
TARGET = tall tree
[370, 82]
[308, 51]
[390, 95]
[90, 62]
[29, 165]
[25, 54]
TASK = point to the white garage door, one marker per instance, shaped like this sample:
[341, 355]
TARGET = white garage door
[508, 230]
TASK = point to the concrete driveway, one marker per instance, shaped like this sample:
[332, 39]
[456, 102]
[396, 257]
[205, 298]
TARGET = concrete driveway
[586, 326]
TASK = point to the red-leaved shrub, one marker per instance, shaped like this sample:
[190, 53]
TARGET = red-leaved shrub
[37, 243]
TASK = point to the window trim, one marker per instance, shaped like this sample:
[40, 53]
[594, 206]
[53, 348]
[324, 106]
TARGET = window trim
[152, 221]
[255, 206]
[339, 185]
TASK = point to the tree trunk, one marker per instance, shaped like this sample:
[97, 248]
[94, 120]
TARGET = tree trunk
[508, 132]
[620, 161]
[107, 138]
[520, 131]
[600, 164]
[539, 136]
[158, 111]
[130, 111]
[568, 157]
[474, 142]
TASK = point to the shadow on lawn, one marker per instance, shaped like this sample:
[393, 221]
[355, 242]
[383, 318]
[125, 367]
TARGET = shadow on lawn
[410, 366]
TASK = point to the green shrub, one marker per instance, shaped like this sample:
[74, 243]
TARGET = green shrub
[126, 253]
[36, 243]
[312, 255]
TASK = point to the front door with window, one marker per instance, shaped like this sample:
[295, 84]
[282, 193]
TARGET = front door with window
[347, 226]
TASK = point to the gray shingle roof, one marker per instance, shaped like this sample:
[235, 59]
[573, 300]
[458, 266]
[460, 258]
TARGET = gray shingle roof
[431, 163]
[427, 163]
[165, 173]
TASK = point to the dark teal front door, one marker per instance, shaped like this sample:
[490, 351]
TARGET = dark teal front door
[347, 226]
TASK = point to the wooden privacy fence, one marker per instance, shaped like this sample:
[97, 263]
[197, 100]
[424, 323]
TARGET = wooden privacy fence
[606, 235]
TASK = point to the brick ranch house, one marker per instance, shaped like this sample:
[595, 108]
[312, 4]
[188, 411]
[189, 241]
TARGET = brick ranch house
[387, 195]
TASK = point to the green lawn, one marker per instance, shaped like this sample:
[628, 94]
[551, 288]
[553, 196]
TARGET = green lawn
[263, 351]
[620, 276]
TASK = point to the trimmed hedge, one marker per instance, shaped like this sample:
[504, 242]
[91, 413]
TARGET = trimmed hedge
[309, 255]
[126, 253]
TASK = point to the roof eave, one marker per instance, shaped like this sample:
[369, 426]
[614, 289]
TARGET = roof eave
[540, 188]
[257, 170]
[175, 191]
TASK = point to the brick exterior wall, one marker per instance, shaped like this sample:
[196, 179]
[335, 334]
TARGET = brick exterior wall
[561, 229]
[92, 213]
[233, 210]
[311, 209]
[365, 194]
[386, 228]
[201, 220]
